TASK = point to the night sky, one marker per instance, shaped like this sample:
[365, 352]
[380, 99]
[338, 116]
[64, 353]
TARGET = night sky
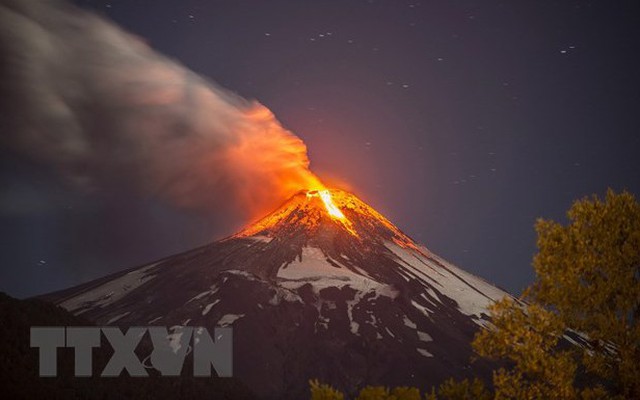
[461, 121]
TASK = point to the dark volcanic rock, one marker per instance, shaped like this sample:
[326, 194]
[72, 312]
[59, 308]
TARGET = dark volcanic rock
[19, 378]
[349, 300]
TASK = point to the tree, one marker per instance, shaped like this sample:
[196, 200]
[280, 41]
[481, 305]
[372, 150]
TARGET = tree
[460, 390]
[528, 338]
[322, 391]
[586, 292]
[587, 282]
[449, 390]
[383, 393]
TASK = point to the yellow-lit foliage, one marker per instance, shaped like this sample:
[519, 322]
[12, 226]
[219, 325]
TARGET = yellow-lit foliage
[460, 390]
[449, 390]
[322, 391]
[383, 393]
[587, 280]
[589, 271]
[528, 338]
[587, 283]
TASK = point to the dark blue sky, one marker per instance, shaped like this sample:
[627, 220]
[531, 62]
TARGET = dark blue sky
[461, 121]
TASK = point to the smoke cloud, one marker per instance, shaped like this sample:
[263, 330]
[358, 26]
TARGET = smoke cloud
[100, 107]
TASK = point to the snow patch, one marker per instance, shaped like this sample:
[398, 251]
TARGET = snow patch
[312, 263]
[354, 327]
[109, 292]
[424, 353]
[244, 274]
[260, 238]
[283, 294]
[314, 268]
[175, 338]
[213, 290]
[350, 304]
[424, 337]
[208, 307]
[117, 317]
[322, 321]
[472, 294]
[424, 310]
[229, 319]
[409, 323]
[428, 299]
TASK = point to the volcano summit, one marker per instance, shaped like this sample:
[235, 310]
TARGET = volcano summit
[324, 287]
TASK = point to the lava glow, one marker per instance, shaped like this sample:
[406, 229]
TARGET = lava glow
[268, 163]
[334, 211]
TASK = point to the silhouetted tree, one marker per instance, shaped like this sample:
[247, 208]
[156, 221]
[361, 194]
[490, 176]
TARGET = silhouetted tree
[574, 334]
[587, 286]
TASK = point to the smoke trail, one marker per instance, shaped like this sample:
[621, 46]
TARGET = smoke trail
[100, 107]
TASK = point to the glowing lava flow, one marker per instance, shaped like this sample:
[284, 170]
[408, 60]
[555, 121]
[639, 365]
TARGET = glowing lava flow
[328, 203]
[333, 210]
[309, 209]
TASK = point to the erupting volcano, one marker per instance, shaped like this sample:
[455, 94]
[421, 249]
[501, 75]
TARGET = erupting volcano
[323, 287]
[311, 208]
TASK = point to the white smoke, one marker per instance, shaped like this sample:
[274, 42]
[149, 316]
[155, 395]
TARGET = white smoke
[96, 104]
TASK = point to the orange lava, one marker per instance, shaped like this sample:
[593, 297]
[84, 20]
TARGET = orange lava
[333, 210]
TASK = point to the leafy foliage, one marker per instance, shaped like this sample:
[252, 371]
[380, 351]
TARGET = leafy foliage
[462, 390]
[449, 390]
[587, 289]
[322, 391]
[527, 337]
[587, 283]
[382, 393]
[375, 393]
[589, 271]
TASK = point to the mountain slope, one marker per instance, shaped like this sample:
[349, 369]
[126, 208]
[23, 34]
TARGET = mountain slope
[19, 377]
[324, 287]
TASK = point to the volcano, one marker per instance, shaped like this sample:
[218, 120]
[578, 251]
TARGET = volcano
[323, 287]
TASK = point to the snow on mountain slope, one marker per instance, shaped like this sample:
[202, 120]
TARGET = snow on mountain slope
[324, 287]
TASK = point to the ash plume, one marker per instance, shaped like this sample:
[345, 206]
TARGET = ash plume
[101, 108]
